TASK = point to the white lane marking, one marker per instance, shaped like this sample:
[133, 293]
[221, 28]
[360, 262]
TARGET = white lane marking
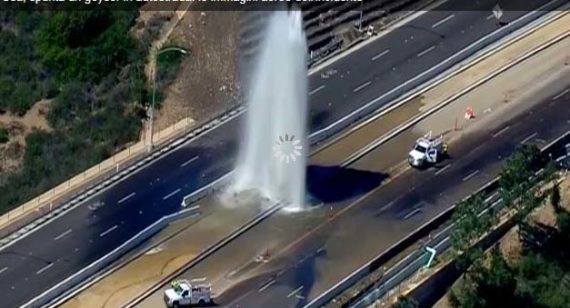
[108, 231]
[412, 213]
[383, 53]
[442, 169]
[501, 131]
[474, 173]
[446, 19]
[560, 94]
[43, 269]
[184, 164]
[62, 235]
[525, 140]
[362, 86]
[171, 194]
[426, 51]
[267, 285]
[316, 90]
[490, 16]
[295, 291]
[127, 197]
[3, 270]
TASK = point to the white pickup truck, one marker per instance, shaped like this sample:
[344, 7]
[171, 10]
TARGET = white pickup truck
[184, 293]
[427, 150]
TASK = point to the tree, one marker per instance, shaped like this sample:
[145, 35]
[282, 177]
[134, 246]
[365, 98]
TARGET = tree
[405, 302]
[471, 222]
[518, 172]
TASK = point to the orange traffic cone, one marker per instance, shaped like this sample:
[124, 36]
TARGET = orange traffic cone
[469, 113]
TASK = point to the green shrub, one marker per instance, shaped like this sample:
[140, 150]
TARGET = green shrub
[4, 135]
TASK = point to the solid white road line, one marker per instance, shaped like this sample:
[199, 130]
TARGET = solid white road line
[267, 285]
[184, 164]
[171, 194]
[3, 270]
[426, 51]
[561, 94]
[362, 86]
[525, 140]
[446, 19]
[474, 173]
[442, 169]
[108, 231]
[295, 291]
[43, 269]
[378, 56]
[316, 90]
[62, 235]
[126, 198]
[501, 131]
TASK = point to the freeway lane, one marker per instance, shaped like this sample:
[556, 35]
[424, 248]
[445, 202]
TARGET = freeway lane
[309, 253]
[76, 239]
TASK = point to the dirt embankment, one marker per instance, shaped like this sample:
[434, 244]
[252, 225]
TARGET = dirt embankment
[206, 84]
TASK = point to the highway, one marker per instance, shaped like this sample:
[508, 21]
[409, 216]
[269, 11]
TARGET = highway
[376, 201]
[307, 253]
[89, 231]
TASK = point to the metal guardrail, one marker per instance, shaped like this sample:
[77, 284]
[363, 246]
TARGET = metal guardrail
[75, 280]
[410, 264]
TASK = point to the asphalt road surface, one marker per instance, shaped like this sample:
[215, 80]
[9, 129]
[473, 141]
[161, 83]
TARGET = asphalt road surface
[308, 253]
[86, 233]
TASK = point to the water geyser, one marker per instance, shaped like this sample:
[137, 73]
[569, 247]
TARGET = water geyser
[272, 156]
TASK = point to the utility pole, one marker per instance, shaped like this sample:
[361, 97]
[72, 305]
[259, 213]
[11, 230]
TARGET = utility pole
[150, 145]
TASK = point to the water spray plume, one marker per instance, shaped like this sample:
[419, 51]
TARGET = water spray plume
[272, 158]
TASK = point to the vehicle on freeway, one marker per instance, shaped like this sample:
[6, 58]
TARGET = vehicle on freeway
[427, 151]
[188, 293]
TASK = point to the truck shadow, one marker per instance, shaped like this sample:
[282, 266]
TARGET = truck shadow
[335, 183]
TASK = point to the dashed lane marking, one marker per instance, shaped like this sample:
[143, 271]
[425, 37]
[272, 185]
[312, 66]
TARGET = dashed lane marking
[43, 269]
[316, 90]
[383, 53]
[426, 51]
[267, 285]
[62, 235]
[295, 291]
[108, 231]
[474, 173]
[171, 194]
[362, 86]
[501, 131]
[440, 171]
[184, 164]
[127, 197]
[441, 22]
